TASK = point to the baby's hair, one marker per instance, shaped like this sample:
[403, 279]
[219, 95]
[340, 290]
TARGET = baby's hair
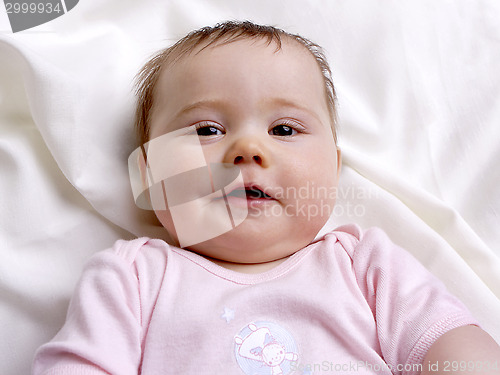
[222, 33]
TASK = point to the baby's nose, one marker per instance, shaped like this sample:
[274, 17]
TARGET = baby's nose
[240, 159]
[248, 150]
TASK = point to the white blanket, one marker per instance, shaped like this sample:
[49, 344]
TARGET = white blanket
[419, 94]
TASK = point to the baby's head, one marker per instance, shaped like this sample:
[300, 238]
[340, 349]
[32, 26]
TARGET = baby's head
[262, 100]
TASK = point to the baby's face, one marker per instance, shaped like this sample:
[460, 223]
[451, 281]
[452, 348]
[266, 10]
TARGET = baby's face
[264, 111]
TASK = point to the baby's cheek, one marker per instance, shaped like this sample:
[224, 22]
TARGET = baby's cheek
[315, 202]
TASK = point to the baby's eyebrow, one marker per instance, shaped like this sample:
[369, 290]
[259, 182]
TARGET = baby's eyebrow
[284, 102]
[210, 104]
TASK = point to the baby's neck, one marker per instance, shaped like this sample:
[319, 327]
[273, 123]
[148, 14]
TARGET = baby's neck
[252, 268]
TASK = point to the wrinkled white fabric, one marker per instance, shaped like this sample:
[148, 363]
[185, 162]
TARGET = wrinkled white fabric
[418, 89]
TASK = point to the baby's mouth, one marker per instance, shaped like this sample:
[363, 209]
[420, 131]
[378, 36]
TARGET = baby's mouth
[252, 192]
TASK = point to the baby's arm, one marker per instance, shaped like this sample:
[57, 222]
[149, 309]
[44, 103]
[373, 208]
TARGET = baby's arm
[418, 319]
[464, 350]
[102, 333]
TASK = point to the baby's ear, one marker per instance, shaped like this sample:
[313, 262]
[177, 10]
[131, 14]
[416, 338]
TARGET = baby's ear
[142, 164]
[339, 161]
[138, 174]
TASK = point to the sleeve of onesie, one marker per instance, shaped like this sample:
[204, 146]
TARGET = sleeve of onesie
[411, 307]
[102, 332]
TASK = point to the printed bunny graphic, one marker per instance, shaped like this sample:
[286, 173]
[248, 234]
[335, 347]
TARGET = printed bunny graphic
[260, 345]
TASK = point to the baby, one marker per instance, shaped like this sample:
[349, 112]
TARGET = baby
[244, 115]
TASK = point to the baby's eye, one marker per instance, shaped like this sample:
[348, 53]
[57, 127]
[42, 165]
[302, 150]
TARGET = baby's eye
[283, 130]
[208, 129]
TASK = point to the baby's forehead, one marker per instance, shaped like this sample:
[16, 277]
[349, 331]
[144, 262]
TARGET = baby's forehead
[190, 65]
[281, 44]
[243, 59]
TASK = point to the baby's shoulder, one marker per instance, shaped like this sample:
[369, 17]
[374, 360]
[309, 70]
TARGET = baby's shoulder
[351, 236]
[369, 245]
[133, 253]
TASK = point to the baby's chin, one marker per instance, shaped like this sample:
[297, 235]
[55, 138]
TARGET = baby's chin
[240, 246]
[254, 240]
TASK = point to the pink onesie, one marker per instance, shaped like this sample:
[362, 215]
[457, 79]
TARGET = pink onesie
[351, 302]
